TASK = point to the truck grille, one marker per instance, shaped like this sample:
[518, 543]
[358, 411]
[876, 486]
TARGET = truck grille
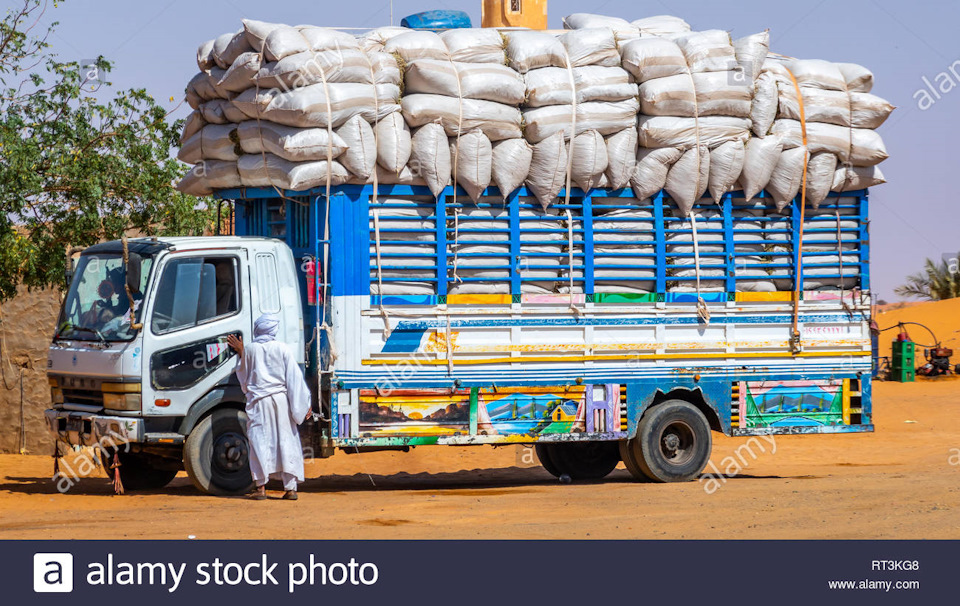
[83, 396]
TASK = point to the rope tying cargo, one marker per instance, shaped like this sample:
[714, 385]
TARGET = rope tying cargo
[383, 310]
[795, 337]
[703, 312]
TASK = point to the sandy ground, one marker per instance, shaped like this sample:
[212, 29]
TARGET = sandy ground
[902, 482]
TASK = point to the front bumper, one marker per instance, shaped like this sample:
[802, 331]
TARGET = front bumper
[91, 429]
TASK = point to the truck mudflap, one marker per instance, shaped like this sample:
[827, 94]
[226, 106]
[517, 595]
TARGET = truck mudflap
[91, 429]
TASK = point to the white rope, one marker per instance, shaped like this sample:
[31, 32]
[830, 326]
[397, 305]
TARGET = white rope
[573, 306]
[702, 310]
[383, 310]
[573, 125]
[456, 245]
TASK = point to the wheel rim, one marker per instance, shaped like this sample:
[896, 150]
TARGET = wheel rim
[678, 443]
[230, 453]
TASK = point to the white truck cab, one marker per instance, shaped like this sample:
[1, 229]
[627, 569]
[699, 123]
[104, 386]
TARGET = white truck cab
[156, 385]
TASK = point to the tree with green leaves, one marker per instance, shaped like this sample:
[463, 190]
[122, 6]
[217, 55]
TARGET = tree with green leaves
[935, 283]
[78, 165]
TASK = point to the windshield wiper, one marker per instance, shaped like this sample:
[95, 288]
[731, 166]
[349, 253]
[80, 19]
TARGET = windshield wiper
[93, 331]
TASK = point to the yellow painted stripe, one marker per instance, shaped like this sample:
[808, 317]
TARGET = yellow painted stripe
[750, 297]
[479, 299]
[678, 356]
[846, 401]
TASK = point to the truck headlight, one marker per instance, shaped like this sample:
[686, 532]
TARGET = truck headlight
[121, 396]
[121, 401]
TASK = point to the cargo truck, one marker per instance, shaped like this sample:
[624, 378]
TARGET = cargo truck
[602, 329]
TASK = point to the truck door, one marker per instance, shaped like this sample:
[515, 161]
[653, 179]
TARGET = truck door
[198, 301]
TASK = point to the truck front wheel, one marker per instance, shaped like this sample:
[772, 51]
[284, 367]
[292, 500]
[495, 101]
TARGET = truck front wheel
[216, 454]
[673, 442]
[140, 471]
[579, 460]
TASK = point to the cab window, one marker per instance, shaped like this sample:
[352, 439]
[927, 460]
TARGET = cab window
[194, 291]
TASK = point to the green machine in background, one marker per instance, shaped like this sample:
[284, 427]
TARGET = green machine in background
[903, 365]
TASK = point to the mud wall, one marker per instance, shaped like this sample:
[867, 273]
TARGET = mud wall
[26, 324]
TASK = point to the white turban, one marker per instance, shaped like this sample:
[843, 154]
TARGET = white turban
[265, 328]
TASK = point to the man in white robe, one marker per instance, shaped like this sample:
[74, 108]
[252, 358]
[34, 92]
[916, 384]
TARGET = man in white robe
[278, 400]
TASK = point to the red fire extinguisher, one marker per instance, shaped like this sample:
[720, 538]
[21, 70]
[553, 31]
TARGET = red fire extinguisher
[311, 269]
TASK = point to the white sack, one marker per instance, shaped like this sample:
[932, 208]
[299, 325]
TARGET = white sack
[296, 176]
[707, 51]
[686, 181]
[760, 160]
[212, 142]
[622, 27]
[649, 58]
[360, 158]
[751, 53]
[661, 25]
[589, 152]
[650, 175]
[703, 94]
[257, 32]
[787, 177]
[552, 86]
[430, 158]
[192, 125]
[605, 118]
[766, 99]
[472, 158]
[208, 176]
[413, 45]
[858, 78]
[817, 73]
[307, 107]
[511, 164]
[394, 142]
[205, 58]
[820, 173]
[282, 42]
[667, 131]
[726, 165]
[334, 67]
[241, 73]
[621, 158]
[548, 169]
[852, 178]
[528, 50]
[591, 46]
[487, 82]
[480, 45]
[289, 143]
[496, 120]
[858, 146]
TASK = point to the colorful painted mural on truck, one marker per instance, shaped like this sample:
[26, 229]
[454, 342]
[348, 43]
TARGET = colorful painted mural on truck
[510, 412]
[792, 403]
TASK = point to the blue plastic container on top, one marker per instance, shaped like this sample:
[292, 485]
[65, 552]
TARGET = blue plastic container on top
[438, 20]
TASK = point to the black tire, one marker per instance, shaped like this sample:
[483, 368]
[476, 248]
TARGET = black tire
[140, 471]
[546, 460]
[585, 460]
[626, 455]
[673, 442]
[216, 454]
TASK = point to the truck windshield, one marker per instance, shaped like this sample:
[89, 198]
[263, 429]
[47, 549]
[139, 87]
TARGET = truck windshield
[97, 307]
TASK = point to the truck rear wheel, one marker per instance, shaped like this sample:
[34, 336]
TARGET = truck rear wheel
[673, 442]
[140, 471]
[216, 454]
[626, 455]
[543, 455]
[580, 460]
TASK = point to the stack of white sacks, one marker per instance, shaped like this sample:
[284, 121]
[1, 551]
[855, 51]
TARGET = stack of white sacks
[608, 104]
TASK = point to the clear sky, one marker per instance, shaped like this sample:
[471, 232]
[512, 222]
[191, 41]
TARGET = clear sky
[915, 215]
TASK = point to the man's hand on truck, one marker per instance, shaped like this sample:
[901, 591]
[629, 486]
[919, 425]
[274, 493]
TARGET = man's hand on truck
[236, 343]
